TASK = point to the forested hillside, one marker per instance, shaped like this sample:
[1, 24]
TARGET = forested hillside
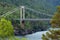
[44, 6]
[47, 5]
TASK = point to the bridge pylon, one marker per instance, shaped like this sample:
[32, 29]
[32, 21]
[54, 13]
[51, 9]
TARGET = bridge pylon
[22, 16]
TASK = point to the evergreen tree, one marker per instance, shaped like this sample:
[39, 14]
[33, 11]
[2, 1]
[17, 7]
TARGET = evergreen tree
[54, 33]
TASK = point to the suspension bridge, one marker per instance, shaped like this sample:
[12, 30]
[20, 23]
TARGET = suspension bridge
[22, 13]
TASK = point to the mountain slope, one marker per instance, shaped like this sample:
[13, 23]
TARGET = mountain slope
[47, 5]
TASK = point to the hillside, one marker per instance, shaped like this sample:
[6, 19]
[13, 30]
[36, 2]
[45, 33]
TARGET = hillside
[44, 6]
[47, 5]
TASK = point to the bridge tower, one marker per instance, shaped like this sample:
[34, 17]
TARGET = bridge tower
[22, 16]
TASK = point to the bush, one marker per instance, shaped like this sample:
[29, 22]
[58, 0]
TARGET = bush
[15, 38]
[6, 28]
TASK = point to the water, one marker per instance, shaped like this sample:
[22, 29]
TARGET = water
[35, 36]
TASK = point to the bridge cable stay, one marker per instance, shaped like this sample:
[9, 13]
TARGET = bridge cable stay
[38, 12]
[9, 12]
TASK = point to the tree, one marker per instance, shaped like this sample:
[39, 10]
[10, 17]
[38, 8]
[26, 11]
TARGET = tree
[54, 33]
[7, 31]
[6, 28]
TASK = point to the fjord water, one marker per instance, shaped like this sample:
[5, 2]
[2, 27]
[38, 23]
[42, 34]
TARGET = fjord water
[34, 36]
